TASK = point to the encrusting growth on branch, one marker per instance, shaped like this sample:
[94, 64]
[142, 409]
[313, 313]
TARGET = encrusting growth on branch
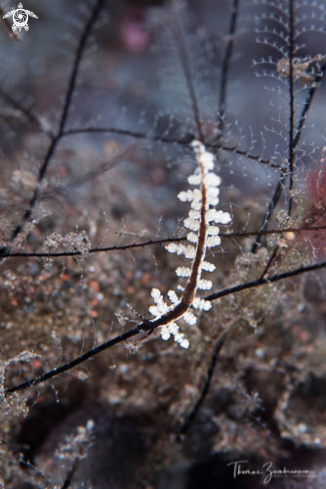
[203, 233]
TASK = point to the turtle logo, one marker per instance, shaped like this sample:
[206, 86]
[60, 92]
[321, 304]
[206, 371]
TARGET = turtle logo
[20, 18]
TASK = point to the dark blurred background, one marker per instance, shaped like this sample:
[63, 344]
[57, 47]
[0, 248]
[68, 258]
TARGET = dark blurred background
[121, 157]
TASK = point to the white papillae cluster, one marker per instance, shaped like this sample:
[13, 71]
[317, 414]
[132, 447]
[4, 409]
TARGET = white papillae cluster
[199, 238]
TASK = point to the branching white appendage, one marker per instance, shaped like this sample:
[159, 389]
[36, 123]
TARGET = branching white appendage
[203, 233]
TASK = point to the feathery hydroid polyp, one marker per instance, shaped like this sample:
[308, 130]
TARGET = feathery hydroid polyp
[203, 234]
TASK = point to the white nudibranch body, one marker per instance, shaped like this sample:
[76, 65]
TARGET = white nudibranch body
[202, 222]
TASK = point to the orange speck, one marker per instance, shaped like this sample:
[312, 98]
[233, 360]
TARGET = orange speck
[304, 337]
[94, 285]
[37, 363]
[129, 277]
[145, 279]
[111, 147]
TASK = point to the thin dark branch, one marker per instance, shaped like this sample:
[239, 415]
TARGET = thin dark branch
[270, 261]
[148, 326]
[292, 103]
[307, 105]
[56, 139]
[78, 58]
[126, 132]
[241, 234]
[209, 375]
[226, 61]
[293, 143]
[270, 209]
[70, 474]
[38, 471]
[240, 152]
[266, 280]
[94, 250]
[89, 176]
[296, 141]
[25, 112]
[42, 172]
[177, 32]
[166, 140]
[77, 361]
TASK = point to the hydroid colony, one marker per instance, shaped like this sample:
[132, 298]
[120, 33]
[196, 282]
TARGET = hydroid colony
[203, 234]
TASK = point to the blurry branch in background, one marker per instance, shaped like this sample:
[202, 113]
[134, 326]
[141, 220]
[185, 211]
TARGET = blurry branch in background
[74, 449]
[67, 483]
[296, 136]
[226, 64]
[279, 187]
[91, 175]
[180, 42]
[56, 139]
[167, 140]
[209, 375]
[285, 167]
[23, 112]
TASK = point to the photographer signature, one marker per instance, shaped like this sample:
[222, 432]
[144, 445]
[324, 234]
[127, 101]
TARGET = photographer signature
[267, 471]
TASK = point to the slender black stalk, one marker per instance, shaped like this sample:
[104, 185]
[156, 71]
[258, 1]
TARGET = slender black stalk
[266, 280]
[64, 116]
[79, 54]
[307, 105]
[58, 254]
[42, 172]
[191, 416]
[77, 361]
[292, 104]
[294, 135]
[270, 209]
[149, 326]
[134, 134]
[226, 62]
[184, 142]
[154, 242]
[177, 32]
[270, 261]
[27, 113]
[70, 475]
